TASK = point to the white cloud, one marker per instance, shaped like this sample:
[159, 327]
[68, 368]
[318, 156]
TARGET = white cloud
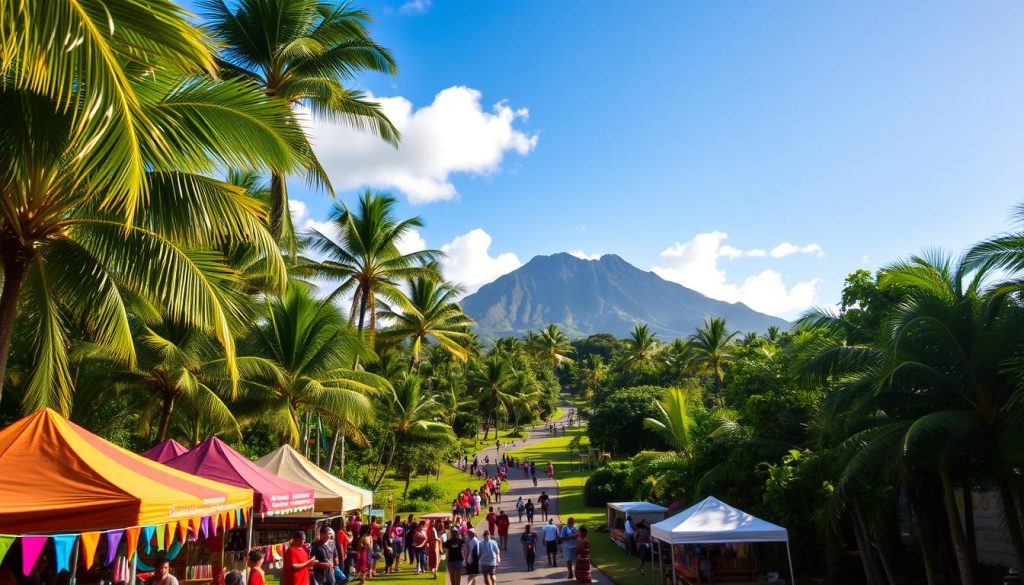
[469, 263]
[454, 134]
[584, 256]
[415, 7]
[411, 241]
[730, 252]
[298, 209]
[757, 252]
[788, 249]
[694, 264]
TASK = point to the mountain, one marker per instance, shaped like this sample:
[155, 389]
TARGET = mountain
[609, 295]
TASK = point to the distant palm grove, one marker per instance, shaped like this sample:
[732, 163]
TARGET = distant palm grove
[154, 287]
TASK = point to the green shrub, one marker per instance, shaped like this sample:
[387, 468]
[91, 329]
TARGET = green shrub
[430, 492]
[415, 505]
[607, 484]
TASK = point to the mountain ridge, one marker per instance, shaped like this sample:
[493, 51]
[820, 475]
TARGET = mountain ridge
[607, 295]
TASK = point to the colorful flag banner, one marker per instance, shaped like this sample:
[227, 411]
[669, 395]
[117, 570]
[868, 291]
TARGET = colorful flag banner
[131, 541]
[204, 526]
[90, 542]
[113, 540]
[182, 530]
[62, 546]
[161, 538]
[147, 538]
[31, 546]
[6, 541]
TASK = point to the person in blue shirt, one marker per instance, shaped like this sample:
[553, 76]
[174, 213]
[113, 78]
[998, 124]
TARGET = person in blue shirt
[490, 558]
[569, 535]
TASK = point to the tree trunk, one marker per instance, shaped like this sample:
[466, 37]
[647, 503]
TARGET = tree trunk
[165, 418]
[956, 533]
[384, 471]
[278, 205]
[362, 311]
[487, 425]
[1012, 515]
[342, 456]
[867, 550]
[334, 449]
[969, 535]
[16, 257]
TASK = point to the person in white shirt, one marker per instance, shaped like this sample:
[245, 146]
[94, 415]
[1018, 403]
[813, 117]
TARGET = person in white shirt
[490, 558]
[630, 544]
[549, 534]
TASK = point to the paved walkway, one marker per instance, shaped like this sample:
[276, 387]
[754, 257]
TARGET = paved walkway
[513, 561]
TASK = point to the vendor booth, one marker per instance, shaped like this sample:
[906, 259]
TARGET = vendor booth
[164, 451]
[331, 494]
[638, 511]
[271, 495]
[79, 502]
[710, 543]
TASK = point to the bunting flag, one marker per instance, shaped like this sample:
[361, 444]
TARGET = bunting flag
[147, 538]
[246, 513]
[204, 526]
[229, 520]
[213, 524]
[169, 530]
[113, 540]
[90, 541]
[182, 531]
[31, 546]
[131, 541]
[62, 546]
[193, 527]
[5, 545]
[161, 538]
[238, 517]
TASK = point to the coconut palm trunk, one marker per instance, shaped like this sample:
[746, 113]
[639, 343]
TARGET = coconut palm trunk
[956, 533]
[165, 418]
[16, 258]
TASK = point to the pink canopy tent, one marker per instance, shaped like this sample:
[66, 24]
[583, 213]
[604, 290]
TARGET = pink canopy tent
[214, 459]
[164, 451]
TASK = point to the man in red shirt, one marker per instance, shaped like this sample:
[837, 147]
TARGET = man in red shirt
[491, 518]
[503, 522]
[297, 561]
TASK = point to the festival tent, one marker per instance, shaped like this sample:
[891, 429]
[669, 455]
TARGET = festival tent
[332, 494]
[59, 477]
[164, 451]
[713, 521]
[214, 459]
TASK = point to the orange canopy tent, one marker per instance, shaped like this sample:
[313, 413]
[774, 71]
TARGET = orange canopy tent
[59, 477]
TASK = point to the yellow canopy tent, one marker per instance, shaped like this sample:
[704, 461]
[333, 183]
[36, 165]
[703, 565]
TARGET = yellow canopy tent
[59, 477]
[332, 494]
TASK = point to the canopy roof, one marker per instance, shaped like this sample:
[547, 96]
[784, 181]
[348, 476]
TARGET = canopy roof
[637, 507]
[164, 451]
[713, 521]
[332, 494]
[59, 477]
[214, 459]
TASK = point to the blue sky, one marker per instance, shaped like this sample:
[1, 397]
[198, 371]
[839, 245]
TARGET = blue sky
[856, 132]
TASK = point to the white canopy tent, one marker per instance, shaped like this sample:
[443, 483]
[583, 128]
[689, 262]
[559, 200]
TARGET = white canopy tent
[713, 521]
[617, 513]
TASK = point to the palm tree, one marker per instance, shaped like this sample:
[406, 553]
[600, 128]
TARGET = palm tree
[85, 56]
[366, 259]
[523, 391]
[298, 360]
[302, 52]
[70, 253]
[642, 348]
[680, 356]
[409, 412]
[675, 425]
[551, 346]
[490, 379]
[433, 313]
[712, 344]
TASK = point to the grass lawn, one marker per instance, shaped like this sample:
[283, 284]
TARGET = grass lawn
[609, 558]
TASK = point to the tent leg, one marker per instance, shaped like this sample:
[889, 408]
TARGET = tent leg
[651, 550]
[672, 561]
[661, 564]
[792, 577]
[74, 564]
[248, 540]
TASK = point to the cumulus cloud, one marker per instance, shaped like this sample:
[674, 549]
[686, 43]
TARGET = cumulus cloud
[695, 264]
[584, 256]
[469, 263]
[454, 134]
[411, 241]
[415, 7]
[788, 249]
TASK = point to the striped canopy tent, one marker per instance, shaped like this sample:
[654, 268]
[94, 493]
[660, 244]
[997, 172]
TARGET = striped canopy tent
[272, 494]
[332, 494]
[164, 451]
[60, 478]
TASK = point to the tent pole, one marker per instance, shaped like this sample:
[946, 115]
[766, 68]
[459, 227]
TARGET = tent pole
[651, 550]
[792, 577]
[74, 563]
[672, 561]
[248, 541]
[661, 564]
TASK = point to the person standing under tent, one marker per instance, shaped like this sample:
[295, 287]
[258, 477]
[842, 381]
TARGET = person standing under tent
[326, 555]
[255, 564]
[643, 543]
[161, 576]
[629, 530]
[296, 561]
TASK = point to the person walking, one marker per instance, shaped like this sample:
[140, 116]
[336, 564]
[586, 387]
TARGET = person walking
[643, 544]
[453, 554]
[326, 555]
[492, 520]
[583, 557]
[551, 470]
[397, 541]
[503, 522]
[471, 554]
[529, 511]
[543, 500]
[490, 558]
[529, 540]
[549, 534]
[433, 548]
[419, 545]
[520, 508]
[569, 535]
